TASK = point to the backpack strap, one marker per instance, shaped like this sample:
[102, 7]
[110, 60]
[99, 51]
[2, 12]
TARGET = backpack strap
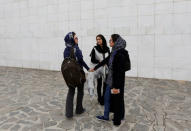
[72, 53]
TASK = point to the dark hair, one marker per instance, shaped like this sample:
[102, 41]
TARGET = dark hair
[103, 40]
[115, 37]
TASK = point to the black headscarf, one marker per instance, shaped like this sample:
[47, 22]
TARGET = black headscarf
[104, 48]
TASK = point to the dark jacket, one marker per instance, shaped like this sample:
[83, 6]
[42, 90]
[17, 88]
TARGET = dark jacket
[78, 54]
[120, 63]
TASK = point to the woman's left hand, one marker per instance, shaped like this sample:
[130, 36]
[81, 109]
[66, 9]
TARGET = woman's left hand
[115, 91]
[91, 70]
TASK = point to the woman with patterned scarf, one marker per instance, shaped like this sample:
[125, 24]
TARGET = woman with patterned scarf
[118, 63]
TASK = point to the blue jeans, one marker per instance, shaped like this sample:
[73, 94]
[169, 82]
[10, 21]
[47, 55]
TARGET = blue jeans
[107, 102]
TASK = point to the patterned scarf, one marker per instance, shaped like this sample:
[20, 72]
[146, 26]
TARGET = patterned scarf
[69, 40]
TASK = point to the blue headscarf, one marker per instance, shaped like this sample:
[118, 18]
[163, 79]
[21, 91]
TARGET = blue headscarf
[69, 40]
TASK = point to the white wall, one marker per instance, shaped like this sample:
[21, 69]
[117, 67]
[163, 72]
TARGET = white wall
[158, 33]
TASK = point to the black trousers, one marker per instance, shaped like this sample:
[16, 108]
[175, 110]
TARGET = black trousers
[99, 90]
[70, 99]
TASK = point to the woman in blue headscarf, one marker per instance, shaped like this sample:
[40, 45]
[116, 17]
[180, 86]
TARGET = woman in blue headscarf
[71, 41]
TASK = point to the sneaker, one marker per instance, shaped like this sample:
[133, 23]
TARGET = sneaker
[102, 118]
[117, 124]
[81, 111]
[69, 117]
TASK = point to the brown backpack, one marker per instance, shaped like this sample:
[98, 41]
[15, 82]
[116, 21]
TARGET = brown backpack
[72, 72]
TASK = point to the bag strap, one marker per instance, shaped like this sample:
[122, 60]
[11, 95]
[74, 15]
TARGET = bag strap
[72, 53]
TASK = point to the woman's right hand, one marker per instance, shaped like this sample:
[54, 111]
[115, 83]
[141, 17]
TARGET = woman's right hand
[115, 91]
[91, 70]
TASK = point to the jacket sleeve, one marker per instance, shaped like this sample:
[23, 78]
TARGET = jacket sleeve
[93, 59]
[105, 61]
[84, 64]
[118, 71]
[80, 59]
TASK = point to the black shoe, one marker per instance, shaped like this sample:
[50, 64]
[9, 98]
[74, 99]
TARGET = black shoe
[117, 123]
[69, 117]
[81, 111]
[121, 119]
[101, 102]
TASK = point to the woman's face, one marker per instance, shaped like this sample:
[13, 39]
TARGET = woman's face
[99, 41]
[75, 39]
[111, 43]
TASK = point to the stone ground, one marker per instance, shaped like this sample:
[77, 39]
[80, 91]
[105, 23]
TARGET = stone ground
[34, 100]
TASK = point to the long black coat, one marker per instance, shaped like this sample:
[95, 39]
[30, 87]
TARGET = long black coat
[121, 63]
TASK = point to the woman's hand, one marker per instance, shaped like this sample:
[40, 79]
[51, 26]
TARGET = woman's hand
[91, 70]
[115, 91]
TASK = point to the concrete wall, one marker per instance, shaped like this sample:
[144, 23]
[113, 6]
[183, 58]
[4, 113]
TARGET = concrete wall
[158, 33]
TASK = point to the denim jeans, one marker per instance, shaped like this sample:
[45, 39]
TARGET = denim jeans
[107, 102]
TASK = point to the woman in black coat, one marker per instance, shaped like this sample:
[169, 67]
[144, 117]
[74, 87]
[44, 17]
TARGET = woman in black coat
[118, 63]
